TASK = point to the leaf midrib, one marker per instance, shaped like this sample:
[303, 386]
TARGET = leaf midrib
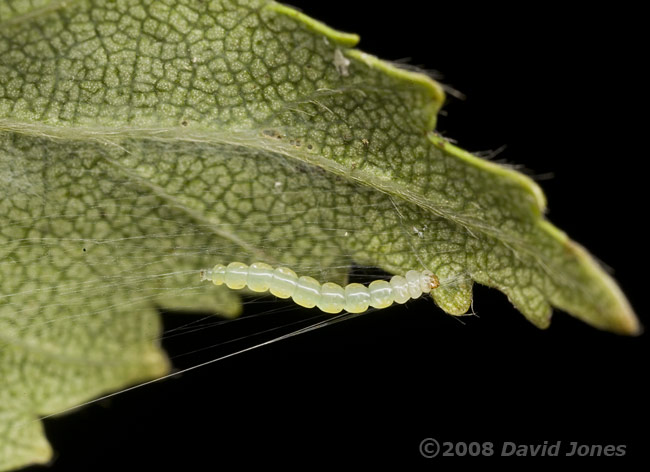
[247, 139]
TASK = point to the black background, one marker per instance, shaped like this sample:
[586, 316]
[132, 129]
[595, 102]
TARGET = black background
[563, 90]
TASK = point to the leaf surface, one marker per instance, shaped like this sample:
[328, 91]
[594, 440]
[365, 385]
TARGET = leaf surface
[141, 141]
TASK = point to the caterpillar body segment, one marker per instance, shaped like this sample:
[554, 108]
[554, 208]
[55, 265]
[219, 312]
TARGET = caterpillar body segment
[328, 297]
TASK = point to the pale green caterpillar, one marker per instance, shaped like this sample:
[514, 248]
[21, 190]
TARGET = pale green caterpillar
[329, 297]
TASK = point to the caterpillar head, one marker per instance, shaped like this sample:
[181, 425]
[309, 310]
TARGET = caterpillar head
[428, 281]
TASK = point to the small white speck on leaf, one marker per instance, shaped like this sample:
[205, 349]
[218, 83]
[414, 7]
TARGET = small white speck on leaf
[341, 63]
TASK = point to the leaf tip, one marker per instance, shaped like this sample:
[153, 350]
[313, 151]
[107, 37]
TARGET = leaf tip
[42, 452]
[155, 363]
[431, 88]
[339, 37]
[621, 318]
[454, 298]
[525, 182]
[611, 310]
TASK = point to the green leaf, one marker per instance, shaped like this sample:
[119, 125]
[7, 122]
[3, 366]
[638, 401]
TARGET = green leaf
[141, 141]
